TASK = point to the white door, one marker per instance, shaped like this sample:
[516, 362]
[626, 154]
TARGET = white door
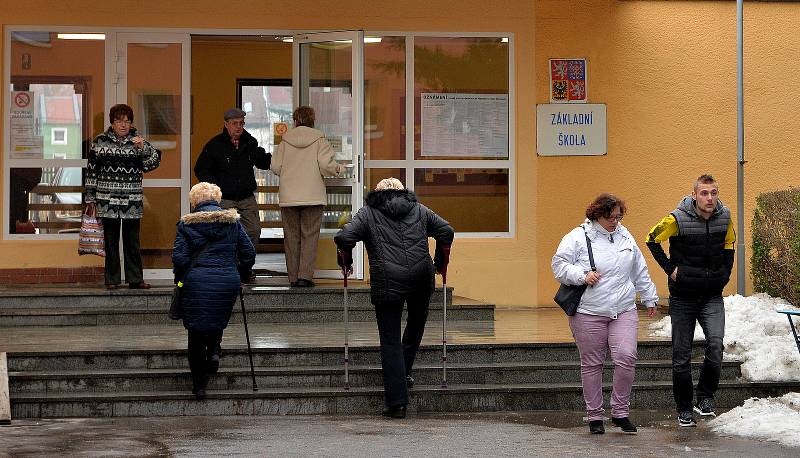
[329, 77]
[151, 74]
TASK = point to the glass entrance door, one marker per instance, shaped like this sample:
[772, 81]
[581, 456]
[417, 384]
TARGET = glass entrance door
[329, 77]
[153, 78]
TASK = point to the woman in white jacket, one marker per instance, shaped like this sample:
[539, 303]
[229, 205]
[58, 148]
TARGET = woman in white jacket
[606, 316]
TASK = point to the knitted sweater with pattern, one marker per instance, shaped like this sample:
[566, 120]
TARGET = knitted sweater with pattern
[114, 174]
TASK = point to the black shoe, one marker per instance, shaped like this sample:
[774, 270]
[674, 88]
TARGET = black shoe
[139, 285]
[409, 381]
[213, 363]
[395, 411]
[625, 424]
[200, 394]
[596, 427]
[705, 407]
[686, 419]
[303, 283]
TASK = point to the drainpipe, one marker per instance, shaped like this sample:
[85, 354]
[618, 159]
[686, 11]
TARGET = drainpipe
[740, 258]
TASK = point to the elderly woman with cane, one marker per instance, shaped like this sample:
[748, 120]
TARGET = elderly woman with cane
[212, 257]
[606, 317]
[395, 230]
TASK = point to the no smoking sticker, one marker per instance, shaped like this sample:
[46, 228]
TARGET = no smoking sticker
[22, 100]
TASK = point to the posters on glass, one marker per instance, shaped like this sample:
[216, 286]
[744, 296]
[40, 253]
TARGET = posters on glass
[25, 144]
[464, 125]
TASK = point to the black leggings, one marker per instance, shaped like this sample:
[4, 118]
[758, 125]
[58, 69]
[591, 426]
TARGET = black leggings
[398, 354]
[202, 344]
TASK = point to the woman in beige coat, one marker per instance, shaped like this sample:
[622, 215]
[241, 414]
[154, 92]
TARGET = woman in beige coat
[303, 158]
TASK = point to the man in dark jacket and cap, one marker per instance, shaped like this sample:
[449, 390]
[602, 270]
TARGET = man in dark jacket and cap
[227, 160]
[395, 230]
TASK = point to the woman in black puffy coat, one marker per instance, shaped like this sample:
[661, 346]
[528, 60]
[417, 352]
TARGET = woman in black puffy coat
[395, 230]
[224, 257]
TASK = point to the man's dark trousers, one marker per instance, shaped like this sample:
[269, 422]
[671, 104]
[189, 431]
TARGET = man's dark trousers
[397, 357]
[684, 312]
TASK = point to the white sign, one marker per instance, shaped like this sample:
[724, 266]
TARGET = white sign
[571, 130]
[25, 144]
[465, 125]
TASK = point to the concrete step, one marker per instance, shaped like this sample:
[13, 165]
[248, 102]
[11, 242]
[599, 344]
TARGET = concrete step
[158, 296]
[314, 356]
[361, 400]
[239, 378]
[263, 305]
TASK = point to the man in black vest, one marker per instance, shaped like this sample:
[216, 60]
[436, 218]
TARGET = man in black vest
[227, 161]
[701, 240]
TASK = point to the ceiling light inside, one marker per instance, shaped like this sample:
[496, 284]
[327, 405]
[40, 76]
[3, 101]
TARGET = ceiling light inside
[81, 36]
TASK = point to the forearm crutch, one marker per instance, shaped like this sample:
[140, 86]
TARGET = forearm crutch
[444, 329]
[247, 336]
[346, 325]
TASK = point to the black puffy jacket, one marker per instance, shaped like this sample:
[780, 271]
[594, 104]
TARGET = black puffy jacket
[230, 168]
[697, 250]
[395, 230]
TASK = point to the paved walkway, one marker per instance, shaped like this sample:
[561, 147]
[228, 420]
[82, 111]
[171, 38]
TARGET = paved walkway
[457, 435]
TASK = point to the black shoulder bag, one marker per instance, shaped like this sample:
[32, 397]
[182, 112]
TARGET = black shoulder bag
[569, 296]
[175, 306]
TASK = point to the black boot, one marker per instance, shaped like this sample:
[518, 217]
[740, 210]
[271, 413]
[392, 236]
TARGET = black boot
[199, 384]
[398, 411]
[213, 363]
[596, 427]
[625, 424]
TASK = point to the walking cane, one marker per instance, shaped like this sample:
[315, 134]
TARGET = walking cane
[346, 324]
[247, 335]
[444, 321]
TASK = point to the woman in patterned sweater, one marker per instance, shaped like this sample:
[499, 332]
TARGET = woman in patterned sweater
[117, 160]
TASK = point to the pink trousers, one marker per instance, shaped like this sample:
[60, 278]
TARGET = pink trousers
[593, 334]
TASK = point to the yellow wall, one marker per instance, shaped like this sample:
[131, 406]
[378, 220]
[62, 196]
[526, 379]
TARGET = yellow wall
[665, 69]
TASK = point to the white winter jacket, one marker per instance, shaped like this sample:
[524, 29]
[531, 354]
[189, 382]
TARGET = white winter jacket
[622, 268]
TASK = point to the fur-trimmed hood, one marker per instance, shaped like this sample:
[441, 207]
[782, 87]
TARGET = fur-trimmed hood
[208, 222]
[229, 216]
[395, 203]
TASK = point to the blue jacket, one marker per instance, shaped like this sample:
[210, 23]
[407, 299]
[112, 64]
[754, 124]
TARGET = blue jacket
[210, 288]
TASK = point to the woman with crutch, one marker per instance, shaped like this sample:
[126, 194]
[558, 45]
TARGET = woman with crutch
[212, 257]
[395, 230]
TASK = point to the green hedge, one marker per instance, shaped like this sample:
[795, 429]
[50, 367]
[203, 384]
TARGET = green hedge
[775, 264]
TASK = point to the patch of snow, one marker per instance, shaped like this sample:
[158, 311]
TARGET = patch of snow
[756, 335]
[772, 419]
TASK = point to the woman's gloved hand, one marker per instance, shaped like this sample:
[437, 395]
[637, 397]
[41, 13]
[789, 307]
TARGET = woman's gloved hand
[345, 260]
[441, 259]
